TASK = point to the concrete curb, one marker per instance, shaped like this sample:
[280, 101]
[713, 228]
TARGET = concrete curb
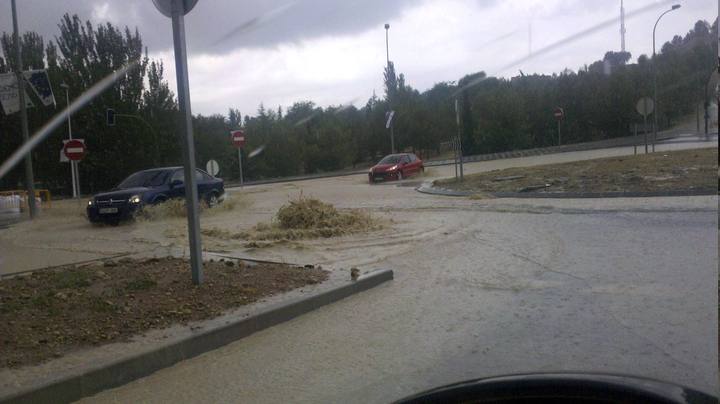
[104, 376]
[432, 190]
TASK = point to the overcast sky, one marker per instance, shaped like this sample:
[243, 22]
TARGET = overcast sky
[332, 52]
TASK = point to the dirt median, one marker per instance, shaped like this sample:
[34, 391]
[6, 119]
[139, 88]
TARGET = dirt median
[48, 313]
[664, 171]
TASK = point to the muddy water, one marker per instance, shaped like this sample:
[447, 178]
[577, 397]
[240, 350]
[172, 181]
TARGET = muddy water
[624, 286]
[62, 235]
[483, 287]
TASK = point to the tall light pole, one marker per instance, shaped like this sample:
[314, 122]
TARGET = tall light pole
[72, 163]
[657, 110]
[29, 178]
[387, 58]
[622, 26]
[387, 45]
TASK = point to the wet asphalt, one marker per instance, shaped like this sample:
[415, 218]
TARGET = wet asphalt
[622, 286]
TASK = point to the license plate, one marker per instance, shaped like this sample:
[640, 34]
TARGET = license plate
[379, 178]
[104, 211]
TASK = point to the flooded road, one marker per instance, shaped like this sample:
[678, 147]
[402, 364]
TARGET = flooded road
[630, 288]
[482, 288]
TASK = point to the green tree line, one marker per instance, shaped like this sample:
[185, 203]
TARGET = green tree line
[495, 114]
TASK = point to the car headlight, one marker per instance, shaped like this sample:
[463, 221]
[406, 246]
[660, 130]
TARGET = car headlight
[135, 199]
[393, 168]
[90, 203]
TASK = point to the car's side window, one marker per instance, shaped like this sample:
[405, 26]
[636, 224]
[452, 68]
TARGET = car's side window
[178, 176]
[413, 158]
[159, 179]
[406, 159]
[201, 175]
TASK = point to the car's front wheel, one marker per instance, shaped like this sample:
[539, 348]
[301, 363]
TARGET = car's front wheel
[399, 175]
[212, 200]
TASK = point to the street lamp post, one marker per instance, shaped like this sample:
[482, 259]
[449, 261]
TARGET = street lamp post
[72, 163]
[387, 59]
[387, 44]
[657, 110]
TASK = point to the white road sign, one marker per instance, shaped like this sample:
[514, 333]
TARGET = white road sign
[645, 106]
[40, 83]
[212, 167]
[9, 96]
[389, 119]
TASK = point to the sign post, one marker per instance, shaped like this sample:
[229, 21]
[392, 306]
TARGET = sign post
[74, 150]
[176, 10]
[238, 139]
[645, 107]
[73, 168]
[635, 141]
[559, 115]
[459, 139]
[389, 125]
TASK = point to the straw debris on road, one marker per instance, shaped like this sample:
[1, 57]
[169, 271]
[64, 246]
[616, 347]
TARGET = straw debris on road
[304, 218]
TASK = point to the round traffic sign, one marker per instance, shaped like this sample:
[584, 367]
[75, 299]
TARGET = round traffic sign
[165, 6]
[238, 138]
[559, 113]
[645, 106]
[74, 149]
[212, 167]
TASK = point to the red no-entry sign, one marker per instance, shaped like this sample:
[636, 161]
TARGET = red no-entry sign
[559, 113]
[74, 149]
[238, 138]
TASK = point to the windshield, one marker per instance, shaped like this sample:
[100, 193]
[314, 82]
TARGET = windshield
[144, 179]
[390, 160]
[502, 186]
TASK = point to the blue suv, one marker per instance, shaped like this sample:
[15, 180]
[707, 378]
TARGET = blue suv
[150, 187]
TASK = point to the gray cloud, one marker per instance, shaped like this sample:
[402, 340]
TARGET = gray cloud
[212, 20]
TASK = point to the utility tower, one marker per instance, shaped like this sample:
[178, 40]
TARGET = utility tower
[530, 38]
[622, 26]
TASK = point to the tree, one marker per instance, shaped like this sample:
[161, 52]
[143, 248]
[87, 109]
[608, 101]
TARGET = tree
[391, 83]
[497, 114]
[81, 56]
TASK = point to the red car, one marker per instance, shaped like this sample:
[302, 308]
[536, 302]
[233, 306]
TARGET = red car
[396, 167]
